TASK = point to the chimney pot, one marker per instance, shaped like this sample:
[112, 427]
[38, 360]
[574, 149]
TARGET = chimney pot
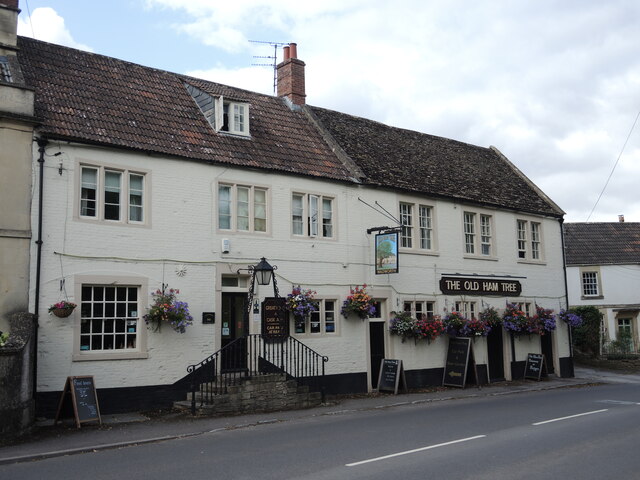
[621, 218]
[294, 50]
[286, 53]
[290, 76]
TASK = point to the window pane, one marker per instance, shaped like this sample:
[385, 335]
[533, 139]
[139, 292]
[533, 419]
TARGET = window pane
[224, 207]
[522, 239]
[406, 236]
[88, 192]
[485, 234]
[135, 197]
[238, 118]
[469, 233]
[313, 215]
[297, 212]
[424, 214]
[260, 210]
[243, 208]
[112, 195]
[327, 220]
[535, 241]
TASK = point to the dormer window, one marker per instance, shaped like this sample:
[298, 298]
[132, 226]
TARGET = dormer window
[223, 114]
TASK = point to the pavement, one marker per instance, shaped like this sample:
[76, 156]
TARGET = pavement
[122, 430]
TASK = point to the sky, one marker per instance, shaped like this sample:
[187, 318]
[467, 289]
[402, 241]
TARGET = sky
[553, 84]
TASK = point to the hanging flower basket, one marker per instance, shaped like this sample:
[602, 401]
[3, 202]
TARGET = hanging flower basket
[301, 302]
[166, 308]
[359, 303]
[62, 309]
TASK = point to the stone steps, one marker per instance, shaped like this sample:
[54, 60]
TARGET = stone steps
[264, 393]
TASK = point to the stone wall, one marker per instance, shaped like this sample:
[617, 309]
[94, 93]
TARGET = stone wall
[16, 377]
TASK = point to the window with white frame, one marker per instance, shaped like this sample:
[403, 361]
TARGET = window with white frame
[478, 234]
[223, 114]
[112, 195]
[242, 208]
[590, 287]
[467, 309]
[525, 307]
[419, 308]
[312, 215]
[109, 318]
[529, 240]
[417, 226]
[322, 321]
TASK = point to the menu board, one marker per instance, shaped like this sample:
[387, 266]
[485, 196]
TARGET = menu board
[533, 367]
[391, 376]
[81, 392]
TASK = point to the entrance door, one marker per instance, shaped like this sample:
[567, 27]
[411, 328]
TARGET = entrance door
[546, 344]
[376, 347]
[495, 347]
[235, 328]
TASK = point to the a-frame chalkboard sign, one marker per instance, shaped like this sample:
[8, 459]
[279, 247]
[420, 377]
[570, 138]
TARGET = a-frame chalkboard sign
[459, 358]
[391, 376]
[81, 392]
[534, 365]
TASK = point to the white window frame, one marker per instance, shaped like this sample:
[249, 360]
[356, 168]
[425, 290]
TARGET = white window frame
[417, 308]
[529, 240]
[231, 109]
[126, 193]
[310, 217]
[417, 226]
[140, 284]
[525, 307]
[590, 284]
[257, 211]
[478, 234]
[319, 320]
[467, 309]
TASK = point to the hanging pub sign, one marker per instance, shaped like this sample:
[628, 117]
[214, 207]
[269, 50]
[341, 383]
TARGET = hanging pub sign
[387, 253]
[275, 318]
[480, 286]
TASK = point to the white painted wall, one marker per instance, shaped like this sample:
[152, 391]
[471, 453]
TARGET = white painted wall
[183, 232]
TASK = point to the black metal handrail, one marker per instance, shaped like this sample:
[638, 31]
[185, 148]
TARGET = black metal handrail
[253, 356]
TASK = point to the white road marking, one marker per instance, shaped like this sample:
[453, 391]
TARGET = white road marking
[570, 416]
[414, 451]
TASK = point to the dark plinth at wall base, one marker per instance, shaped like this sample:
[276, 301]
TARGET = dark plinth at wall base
[346, 383]
[427, 377]
[517, 370]
[566, 367]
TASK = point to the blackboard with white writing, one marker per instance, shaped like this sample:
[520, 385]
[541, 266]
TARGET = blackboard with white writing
[391, 376]
[533, 367]
[80, 392]
[455, 370]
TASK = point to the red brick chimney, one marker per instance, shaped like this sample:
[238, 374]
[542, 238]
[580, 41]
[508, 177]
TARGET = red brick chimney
[291, 76]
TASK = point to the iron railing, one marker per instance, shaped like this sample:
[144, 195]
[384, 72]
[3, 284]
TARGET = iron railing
[253, 356]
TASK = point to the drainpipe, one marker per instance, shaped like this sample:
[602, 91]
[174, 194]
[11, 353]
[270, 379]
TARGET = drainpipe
[42, 143]
[566, 292]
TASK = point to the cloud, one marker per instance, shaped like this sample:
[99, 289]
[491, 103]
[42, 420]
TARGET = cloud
[49, 27]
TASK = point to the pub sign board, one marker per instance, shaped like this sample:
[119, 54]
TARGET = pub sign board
[480, 286]
[387, 253]
[275, 318]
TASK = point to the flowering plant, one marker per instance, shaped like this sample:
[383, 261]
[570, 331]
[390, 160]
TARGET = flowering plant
[166, 308]
[491, 316]
[570, 318]
[359, 302]
[3, 339]
[402, 324]
[514, 320]
[475, 328]
[301, 302]
[62, 305]
[454, 322]
[429, 328]
[544, 321]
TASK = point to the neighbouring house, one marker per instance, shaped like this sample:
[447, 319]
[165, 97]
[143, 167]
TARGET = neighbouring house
[156, 180]
[603, 270]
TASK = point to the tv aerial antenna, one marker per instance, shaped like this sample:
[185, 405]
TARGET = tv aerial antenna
[273, 58]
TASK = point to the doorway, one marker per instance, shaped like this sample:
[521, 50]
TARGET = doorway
[234, 330]
[546, 345]
[376, 348]
[495, 351]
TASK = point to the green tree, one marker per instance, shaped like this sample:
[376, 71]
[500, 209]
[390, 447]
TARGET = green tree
[586, 337]
[384, 250]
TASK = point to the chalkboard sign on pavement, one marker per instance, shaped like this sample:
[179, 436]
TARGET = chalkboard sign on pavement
[459, 355]
[81, 392]
[533, 367]
[391, 376]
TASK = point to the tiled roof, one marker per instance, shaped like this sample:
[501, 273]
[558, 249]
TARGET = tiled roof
[86, 97]
[434, 166]
[615, 243]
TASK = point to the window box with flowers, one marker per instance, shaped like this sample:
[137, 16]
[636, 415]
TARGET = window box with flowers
[515, 321]
[62, 309]
[167, 308]
[358, 303]
[570, 318]
[454, 322]
[423, 328]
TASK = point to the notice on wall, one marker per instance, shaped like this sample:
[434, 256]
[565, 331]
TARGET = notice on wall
[275, 318]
